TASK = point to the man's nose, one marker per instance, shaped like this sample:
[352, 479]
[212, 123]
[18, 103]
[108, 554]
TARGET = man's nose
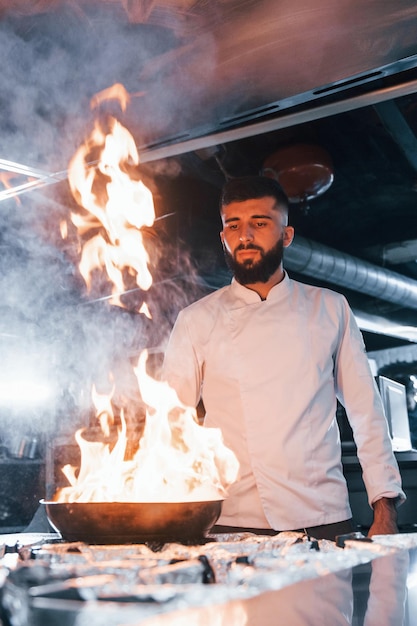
[246, 234]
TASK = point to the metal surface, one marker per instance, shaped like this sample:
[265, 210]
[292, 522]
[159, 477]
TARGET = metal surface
[277, 123]
[195, 68]
[132, 522]
[270, 580]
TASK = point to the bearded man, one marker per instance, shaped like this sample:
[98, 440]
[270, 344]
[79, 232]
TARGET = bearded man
[269, 357]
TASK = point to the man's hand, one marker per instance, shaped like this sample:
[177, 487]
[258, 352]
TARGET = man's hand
[385, 518]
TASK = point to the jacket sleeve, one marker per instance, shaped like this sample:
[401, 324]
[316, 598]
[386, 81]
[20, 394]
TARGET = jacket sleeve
[181, 368]
[358, 392]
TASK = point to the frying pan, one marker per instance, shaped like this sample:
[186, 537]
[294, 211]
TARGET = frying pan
[132, 522]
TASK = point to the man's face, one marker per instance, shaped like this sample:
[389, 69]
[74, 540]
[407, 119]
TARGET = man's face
[253, 236]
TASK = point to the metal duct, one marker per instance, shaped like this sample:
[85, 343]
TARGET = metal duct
[383, 326]
[319, 261]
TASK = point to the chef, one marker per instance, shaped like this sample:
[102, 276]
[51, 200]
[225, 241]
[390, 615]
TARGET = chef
[269, 357]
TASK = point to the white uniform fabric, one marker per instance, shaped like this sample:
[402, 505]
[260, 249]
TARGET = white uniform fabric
[269, 373]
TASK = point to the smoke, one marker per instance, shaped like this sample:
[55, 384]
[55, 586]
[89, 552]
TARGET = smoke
[54, 336]
[57, 339]
[53, 64]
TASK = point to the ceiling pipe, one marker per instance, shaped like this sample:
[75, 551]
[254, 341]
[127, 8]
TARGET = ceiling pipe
[382, 326]
[322, 262]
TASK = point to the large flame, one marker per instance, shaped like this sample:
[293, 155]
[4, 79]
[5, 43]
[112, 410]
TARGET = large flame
[177, 461]
[118, 213]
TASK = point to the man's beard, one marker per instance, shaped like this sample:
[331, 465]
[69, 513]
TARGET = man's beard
[250, 272]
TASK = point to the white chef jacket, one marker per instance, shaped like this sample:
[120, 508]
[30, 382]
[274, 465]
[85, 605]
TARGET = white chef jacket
[269, 373]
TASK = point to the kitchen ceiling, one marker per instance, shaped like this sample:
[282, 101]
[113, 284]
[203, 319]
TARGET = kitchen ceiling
[216, 88]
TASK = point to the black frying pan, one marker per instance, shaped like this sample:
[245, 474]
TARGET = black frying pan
[132, 522]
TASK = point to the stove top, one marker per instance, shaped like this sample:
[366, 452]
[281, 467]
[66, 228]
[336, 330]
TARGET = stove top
[45, 580]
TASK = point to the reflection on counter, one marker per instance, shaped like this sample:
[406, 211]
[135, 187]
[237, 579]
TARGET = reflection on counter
[371, 595]
[380, 593]
[324, 601]
[287, 579]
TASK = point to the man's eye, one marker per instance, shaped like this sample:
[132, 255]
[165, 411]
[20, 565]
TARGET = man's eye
[232, 226]
[260, 224]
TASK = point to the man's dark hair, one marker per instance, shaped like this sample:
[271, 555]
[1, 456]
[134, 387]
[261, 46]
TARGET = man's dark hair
[251, 187]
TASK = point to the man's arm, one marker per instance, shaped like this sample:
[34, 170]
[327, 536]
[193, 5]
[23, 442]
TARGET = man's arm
[180, 367]
[357, 391]
[385, 517]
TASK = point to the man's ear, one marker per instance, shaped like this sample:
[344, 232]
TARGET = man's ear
[222, 237]
[288, 236]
